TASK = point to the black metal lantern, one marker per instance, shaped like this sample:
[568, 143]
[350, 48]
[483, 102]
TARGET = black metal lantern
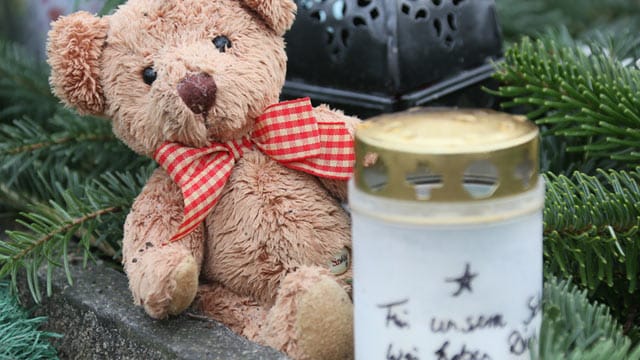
[374, 56]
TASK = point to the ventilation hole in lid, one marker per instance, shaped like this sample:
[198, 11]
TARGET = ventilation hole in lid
[330, 35]
[424, 181]
[338, 9]
[421, 14]
[375, 173]
[457, 2]
[319, 15]
[405, 9]
[480, 179]
[448, 41]
[344, 35]
[451, 20]
[364, 3]
[524, 172]
[438, 26]
[358, 21]
[436, 2]
[374, 13]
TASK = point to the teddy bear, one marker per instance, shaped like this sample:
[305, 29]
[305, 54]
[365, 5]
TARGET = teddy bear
[242, 219]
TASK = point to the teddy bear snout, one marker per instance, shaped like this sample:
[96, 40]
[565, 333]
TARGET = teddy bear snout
[198, 91]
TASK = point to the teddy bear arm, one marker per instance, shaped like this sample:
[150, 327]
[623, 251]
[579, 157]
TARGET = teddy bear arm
[163, 275]
[156, 214]
[322, 113]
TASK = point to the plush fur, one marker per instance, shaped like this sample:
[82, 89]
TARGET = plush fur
[262, 254]
[75, 46]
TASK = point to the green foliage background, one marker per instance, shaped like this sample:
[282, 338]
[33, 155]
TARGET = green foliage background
[19, 334]
[570, 66]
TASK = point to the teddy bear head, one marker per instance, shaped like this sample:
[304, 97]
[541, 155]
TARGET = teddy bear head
[187, 71]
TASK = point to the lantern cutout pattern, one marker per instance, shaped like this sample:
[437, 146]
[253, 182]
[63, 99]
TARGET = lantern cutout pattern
[375, 56]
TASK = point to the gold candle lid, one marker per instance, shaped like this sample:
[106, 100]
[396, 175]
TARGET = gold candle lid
[446, 155]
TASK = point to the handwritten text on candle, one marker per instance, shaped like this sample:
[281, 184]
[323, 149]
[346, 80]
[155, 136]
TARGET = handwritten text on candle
[455, 345]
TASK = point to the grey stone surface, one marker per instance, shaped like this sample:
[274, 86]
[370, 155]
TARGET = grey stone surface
[99, 321]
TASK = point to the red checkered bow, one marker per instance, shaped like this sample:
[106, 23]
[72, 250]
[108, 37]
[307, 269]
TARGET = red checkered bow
[288, 132]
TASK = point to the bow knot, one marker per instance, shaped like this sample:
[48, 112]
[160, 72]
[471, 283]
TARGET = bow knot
[287, 132]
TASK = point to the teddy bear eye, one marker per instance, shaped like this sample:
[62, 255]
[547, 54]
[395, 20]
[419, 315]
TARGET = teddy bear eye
[149, 75]
[222, 43]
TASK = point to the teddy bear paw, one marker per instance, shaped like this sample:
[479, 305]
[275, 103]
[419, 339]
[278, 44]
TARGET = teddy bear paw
[325, 322]
[177, 294]
[186, 278]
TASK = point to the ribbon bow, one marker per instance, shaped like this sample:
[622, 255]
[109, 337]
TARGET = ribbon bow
[287, 132]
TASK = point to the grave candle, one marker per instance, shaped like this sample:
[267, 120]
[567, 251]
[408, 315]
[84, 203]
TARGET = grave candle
[447, 236]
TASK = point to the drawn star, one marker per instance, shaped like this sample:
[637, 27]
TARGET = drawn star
[464, 281]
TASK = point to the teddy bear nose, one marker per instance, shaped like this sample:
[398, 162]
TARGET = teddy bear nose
[198, 91]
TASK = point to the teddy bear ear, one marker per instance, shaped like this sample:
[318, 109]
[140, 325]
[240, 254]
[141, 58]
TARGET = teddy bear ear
[74, 48]
[278, 14]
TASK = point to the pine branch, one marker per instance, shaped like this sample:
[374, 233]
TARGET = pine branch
[519, 17]
[86, 144]
[619, 38]
[53, 143]
[8, 19]
[592, 234]
[592, 227]
[20, 337]
[109, 6]
[95, 217]
[24, 86]
[555, 158]
[35, 186]
[31, 157]
[581, 94]
[67, 227]
[50, 159]
[574, 329]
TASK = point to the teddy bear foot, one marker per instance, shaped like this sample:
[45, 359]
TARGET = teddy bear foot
[325, 320]
[312, 318]
[186, 278]
[169, 293]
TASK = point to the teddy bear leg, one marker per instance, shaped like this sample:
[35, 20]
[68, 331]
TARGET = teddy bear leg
[241, 314]
[312, 317]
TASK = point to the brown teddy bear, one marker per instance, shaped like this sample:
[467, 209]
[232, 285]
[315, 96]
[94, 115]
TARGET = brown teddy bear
[248, 195]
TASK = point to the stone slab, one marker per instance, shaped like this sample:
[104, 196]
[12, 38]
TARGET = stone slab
[99, 321]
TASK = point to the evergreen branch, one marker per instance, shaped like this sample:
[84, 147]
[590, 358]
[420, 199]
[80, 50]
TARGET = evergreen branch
[519, 18]
[46, 240]
[20, 337]
[26, 135]
[93, 214]
[582, 95]
[84, 144]
[574, 329]
[109, 6]
[35, 186]
[68, 226]
[592, 227]
[592, 233]
[531, 18]
[555, 158]
[19, 70]
[24, 86]
[618, 38]
[14, 200]
[52, 143]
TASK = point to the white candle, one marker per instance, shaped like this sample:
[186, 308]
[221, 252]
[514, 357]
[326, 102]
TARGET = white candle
[447, 239]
